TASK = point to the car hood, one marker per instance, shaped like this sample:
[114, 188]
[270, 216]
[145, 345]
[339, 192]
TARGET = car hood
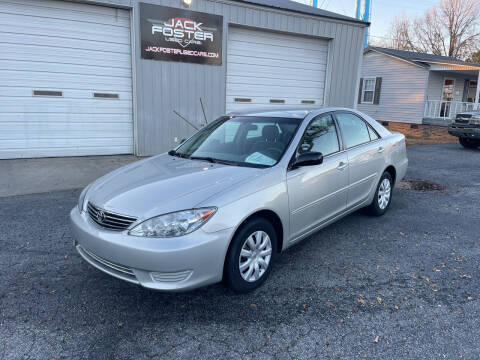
[163, 184]
[475, 112]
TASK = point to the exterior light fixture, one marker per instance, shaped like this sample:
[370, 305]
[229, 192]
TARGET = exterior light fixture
[187, 3]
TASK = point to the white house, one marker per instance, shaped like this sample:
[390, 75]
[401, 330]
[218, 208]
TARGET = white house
[409, 87]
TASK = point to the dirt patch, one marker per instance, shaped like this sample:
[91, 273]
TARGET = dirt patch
[420, 185]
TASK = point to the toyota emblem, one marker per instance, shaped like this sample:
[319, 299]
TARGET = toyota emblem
[100, 216]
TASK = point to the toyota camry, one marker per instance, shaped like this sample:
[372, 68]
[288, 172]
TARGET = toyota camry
[224, 203]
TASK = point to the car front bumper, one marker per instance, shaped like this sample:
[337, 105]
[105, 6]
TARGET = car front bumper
[466, 132]
[168, 264]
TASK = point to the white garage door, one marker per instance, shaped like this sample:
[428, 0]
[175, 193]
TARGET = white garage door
[65, 79]
[271, 69]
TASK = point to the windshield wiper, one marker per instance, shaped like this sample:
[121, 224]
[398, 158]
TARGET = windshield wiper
[213, 160]
[174, 153]
[206, 158]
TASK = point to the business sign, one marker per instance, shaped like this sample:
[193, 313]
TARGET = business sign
[173, 34]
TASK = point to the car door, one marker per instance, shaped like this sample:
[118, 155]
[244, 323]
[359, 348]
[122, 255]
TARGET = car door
[318, 193]
[365, 156]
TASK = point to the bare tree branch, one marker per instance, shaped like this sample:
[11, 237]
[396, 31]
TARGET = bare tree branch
[449, 28]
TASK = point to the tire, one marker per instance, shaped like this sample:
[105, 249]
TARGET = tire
[255, 230]
[378, 207]
[469, 143]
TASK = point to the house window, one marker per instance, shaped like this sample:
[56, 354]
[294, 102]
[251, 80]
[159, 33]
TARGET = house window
[368, 90]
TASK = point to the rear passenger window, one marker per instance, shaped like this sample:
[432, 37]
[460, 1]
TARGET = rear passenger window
[320, 136]
[354, 129]
[373, 134]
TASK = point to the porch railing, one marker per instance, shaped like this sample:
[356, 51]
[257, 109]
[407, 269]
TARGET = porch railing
[439, 109]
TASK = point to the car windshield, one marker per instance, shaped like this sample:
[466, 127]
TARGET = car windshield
[244, 141]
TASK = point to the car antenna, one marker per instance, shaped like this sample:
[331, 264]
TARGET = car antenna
[203, 109]
[184, 119]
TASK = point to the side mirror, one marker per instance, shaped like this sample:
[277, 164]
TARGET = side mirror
[308, 159]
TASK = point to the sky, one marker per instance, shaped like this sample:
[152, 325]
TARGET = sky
[383, 11]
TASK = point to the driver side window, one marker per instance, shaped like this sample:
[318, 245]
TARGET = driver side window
[320, 136]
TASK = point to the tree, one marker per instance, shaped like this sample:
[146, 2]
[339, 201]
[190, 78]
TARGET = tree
[475, 57]
[449, 28]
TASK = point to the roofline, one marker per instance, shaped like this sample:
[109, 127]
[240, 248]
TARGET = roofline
[396, 57]
[454, 63]
[341, 18]
[416, 62]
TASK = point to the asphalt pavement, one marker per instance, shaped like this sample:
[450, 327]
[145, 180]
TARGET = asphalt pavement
[403, 286]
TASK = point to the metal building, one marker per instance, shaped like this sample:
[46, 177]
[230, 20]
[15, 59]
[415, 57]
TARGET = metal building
[106, 76]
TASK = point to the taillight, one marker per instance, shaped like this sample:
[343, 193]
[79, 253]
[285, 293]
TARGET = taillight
[406, 142]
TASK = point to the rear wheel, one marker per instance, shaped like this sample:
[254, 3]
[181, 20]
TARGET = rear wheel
[251, 255]
[383, 195]
[469, 143]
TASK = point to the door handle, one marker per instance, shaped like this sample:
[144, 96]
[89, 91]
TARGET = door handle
[342, 166]
[381, 149]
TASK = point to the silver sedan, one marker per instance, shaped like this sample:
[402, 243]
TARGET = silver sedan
[224, 203]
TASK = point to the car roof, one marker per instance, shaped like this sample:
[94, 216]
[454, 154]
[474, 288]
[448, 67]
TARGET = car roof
[283, 112]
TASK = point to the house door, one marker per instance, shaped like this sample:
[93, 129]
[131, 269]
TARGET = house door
[447, 97]
[472, 90]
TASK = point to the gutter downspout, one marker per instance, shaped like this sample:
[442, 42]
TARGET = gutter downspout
[477, 95]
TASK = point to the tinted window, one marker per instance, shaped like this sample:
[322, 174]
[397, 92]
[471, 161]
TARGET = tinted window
[354, 129]
[320, 136]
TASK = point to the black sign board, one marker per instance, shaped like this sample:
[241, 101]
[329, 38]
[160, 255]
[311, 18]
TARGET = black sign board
[173, 34]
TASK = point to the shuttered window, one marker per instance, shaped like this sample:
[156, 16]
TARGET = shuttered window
[369, 92]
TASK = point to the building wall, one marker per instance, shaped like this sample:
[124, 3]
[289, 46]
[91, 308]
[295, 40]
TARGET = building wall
[162, 87]
[402, 93]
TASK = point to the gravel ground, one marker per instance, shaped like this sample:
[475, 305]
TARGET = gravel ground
[404, 286]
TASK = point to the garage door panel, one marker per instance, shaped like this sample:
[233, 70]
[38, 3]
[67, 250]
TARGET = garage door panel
[275, 81]
[275, 62]
[277, 51]
[65, 55]
[69, 133]
[264, 71]
[20, 144]
[18, 93]
[280, 39]
[32, 8]
[55, 67]
[265, 100]
[116, 37]
[65, 151]
[284, 56]
[260, 89]
[37, 79]
[51, 119]
[44, 20]
[63, 42]
[69, 6]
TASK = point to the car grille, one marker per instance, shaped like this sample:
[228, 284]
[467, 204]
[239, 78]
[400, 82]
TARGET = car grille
[108, 219]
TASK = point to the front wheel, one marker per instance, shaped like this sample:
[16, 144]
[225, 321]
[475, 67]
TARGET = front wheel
[383, 195]
[251, 255]
[469, 143]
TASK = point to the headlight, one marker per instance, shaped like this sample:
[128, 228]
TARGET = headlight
[475, 119]
[81, 198]
[173, 224]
